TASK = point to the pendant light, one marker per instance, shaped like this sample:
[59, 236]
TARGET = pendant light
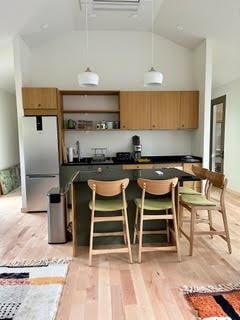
[88, 78]
[153, 77]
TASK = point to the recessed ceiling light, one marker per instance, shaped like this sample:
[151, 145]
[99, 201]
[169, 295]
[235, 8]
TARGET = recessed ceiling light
[44, 26]
[180, 27]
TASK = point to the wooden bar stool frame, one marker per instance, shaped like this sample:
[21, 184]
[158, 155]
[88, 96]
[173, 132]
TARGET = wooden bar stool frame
[216, 180]
[109, 189]
[157, 187]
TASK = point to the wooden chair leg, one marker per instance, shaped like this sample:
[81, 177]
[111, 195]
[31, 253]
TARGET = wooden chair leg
[180, 221]
[192, 225]
[91, 239]
[210, 221]
[128, 236]
[176, 234]
[135, 226]
[140, 238]
[167, 228]
[124, 228]
[225, 223]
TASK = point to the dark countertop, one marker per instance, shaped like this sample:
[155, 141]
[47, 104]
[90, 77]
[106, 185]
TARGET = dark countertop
[134, 174]
[153, 160]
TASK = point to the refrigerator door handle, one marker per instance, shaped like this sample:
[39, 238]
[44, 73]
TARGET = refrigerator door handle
[40, 176]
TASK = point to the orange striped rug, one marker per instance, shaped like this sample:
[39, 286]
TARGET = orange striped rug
[220, 302]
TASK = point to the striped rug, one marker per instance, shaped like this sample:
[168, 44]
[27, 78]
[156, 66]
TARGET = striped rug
[31, 290]
[220, 302]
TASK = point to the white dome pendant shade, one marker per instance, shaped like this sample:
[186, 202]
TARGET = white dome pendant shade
[153, 78]
[88, 78]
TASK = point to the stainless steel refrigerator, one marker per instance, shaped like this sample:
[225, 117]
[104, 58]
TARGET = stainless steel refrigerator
[40, 139]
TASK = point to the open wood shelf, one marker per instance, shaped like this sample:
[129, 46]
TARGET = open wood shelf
[91, 111]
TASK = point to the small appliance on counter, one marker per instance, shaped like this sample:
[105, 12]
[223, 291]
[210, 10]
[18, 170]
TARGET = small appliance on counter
[100, 156]
[123, 156]
[137, 148]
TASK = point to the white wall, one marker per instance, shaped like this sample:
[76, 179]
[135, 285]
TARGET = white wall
[154, 143]
[203, 77]
[9, 154]
[120, 58]
[232, 132]
[22, 63]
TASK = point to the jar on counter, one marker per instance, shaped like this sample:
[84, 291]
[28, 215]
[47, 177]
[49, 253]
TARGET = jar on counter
[103, 125]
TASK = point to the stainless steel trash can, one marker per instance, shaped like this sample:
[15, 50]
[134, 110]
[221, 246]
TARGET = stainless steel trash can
[57, 216]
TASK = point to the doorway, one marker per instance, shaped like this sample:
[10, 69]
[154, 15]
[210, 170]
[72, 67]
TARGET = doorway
[218, 108]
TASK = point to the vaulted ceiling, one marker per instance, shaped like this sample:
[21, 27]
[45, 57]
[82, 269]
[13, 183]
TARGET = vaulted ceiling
[185, 22]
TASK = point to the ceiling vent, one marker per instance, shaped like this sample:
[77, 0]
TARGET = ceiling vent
[116, 5]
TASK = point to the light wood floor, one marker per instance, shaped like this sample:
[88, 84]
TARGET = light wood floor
[113, 289]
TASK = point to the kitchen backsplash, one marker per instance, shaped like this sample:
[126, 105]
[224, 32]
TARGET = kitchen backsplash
[165, 142]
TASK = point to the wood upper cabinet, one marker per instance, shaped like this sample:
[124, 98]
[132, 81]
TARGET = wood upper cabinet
[165, 110]
[40, 98]
[135, 110]
[189, 108]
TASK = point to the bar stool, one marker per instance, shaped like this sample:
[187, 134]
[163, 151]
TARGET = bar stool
[159, 188]
[199, 173]
[109, 189]
[196, 203]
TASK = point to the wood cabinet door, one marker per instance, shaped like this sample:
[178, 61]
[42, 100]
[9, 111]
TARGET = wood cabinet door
[135, 110]
[40, 98]
[165, 107]
[189, 109]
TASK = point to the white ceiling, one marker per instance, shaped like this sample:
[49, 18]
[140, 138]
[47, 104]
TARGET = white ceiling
[196, 20]
[66, 15]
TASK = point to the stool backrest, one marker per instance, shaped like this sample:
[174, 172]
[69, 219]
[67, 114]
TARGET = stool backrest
[157, 187]
[216, 179]
[108, 188]
[199, 172]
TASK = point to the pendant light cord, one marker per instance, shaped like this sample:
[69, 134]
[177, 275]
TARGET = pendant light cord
[87, 36]
[152, 33]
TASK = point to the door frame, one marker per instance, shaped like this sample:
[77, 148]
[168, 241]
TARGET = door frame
[214, 102]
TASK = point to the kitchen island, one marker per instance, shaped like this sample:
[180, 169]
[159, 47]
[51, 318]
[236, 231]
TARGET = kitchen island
[81, 195]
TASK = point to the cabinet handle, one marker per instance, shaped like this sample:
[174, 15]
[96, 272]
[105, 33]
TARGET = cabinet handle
[182, 125]
[39, 104]
[124, 126]
[153, 126]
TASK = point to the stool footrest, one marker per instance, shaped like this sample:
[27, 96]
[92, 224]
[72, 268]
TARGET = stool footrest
[157, 217]
[106, 219]
[108, 234]
[104, 251]
[153, 232]
[166, 248]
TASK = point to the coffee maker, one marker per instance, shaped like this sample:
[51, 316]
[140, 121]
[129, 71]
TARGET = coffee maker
[137, 148]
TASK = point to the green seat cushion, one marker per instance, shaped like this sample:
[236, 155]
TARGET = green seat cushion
[155, 204]
[6, 181]
[15, 175]
[187, 190]
[197, 200]
[107, 205]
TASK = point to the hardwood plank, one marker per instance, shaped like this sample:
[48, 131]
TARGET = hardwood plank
[129, 296]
